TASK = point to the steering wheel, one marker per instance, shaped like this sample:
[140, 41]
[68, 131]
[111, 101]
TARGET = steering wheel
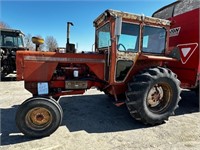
[120, 44]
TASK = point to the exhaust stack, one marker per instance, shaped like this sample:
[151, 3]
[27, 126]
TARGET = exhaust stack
[70, 48]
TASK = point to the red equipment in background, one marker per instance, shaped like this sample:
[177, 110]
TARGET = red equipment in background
[184, 34]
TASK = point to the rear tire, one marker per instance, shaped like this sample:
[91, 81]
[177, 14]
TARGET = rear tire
[153, 95]
[39, 117]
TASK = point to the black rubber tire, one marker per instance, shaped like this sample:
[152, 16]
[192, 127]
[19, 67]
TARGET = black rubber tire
[26, 125]
[139, 90]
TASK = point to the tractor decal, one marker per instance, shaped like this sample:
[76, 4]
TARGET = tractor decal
[174, 31]
[60, 59]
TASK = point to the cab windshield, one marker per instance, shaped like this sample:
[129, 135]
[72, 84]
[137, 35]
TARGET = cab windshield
[129, 38]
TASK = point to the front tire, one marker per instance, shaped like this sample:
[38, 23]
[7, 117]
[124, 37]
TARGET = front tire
[153, 95]
[39, 117]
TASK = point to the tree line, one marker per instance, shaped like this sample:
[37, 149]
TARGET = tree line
[50, 43]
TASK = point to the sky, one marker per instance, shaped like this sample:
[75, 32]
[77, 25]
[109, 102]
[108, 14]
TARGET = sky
[50, 17]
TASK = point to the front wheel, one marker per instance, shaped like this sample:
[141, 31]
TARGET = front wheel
[153, 95]
[38, 117]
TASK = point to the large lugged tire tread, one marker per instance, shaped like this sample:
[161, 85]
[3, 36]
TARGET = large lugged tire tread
[137, 88]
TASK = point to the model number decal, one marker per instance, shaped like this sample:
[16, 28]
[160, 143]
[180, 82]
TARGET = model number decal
[62, 59]
[174, 32]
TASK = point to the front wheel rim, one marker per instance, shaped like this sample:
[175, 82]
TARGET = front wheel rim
[38, 118]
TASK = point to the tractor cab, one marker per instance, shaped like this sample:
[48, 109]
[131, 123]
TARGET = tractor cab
[11, 40]
[126, 39]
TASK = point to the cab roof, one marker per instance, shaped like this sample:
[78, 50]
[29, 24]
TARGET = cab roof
[131, 16]
[11, 30]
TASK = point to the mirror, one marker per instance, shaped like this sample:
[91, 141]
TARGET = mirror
[118, 26]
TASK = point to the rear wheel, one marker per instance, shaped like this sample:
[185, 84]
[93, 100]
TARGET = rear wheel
[39, 117]
[153, 95]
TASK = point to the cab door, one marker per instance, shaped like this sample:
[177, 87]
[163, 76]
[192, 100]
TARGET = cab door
[103, 36]
[127, 49]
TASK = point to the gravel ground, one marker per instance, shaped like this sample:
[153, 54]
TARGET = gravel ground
[91, 122]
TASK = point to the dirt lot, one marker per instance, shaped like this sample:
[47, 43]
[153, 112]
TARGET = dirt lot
[92, 122]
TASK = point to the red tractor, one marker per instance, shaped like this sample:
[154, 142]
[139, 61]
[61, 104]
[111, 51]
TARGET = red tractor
[184, 35]
[130, 58]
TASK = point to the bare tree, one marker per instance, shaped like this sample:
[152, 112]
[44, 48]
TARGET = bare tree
[4, 25]
[51, 43]
[28, 42]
